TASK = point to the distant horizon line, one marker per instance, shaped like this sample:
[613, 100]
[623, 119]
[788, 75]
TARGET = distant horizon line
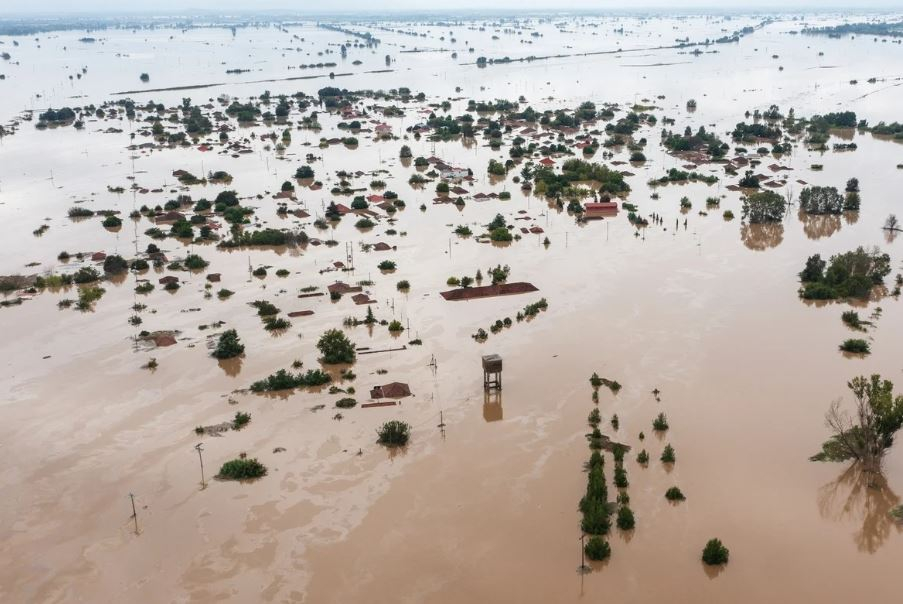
[461, 12]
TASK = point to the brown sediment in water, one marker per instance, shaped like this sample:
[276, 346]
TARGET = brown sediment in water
[484, 508]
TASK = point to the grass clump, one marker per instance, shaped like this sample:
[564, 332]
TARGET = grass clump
[242, 469]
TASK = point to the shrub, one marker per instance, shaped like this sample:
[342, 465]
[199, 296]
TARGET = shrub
[304, 172]
[345, 403]
[144, 288]
[336, 347]
[224, 293]
[79, 212]
[403, 285]
[285, 380]
[229, 345]
[86, 274]
[139, 264]
[595, 517]
[660, 423]
[463, 231]
[394, 433]
[625, 519]
[453, 281]
[597, 548]
[621, 477]
[195, 262]
[241, 420]
[852, 320]
[112, 222]
[386, 265]
[500, 234]
[365, 223]
[265, 308]
[674, 494]
[242, 469]
[715, 553]
[668, 454]
[115, 264]
[642, 457]
[855, 345]
[276, 324]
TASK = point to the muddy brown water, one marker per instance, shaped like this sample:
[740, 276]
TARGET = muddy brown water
[487, 510]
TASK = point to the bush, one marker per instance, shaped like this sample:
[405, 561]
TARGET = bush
[595, 517]
[112, 222]
[386, 265]
[642, 457]
[597, 548]
[403, 285]
[396, 326]
[715, 553]
[115, 264]
[394, 433]
[668, 454]
[242, 469]
[276, 324]
[195, 262]
[625, 519]
[79, 212]
[229, 346]
[86, 274]
[855, 345]
[674, 494]
[500, 234]
[241, 420]
[365, 223]
[336, 347]
[660, 423]
[345, 403]
[304, 172]
[285, 380]
[621, 477]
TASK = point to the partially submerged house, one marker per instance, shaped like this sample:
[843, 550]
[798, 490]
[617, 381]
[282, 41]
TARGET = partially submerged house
[392, 390]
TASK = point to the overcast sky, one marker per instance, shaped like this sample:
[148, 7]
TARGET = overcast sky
[11, 7]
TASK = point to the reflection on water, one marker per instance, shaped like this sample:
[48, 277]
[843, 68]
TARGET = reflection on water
[861, 496]
[231, 367]
[492, 405]
[761, 237]
[818, 226]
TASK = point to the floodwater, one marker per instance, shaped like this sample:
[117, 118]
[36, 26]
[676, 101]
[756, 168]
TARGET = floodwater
[486, 509]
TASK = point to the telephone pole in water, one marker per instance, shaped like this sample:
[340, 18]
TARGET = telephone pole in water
[199, 448]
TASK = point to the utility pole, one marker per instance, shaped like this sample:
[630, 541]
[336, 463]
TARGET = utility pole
[199, 448]
[134, 512]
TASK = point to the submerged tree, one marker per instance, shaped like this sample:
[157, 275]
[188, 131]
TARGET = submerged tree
[865, 436]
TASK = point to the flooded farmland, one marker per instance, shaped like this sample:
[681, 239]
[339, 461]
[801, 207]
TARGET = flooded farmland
[227, 176]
